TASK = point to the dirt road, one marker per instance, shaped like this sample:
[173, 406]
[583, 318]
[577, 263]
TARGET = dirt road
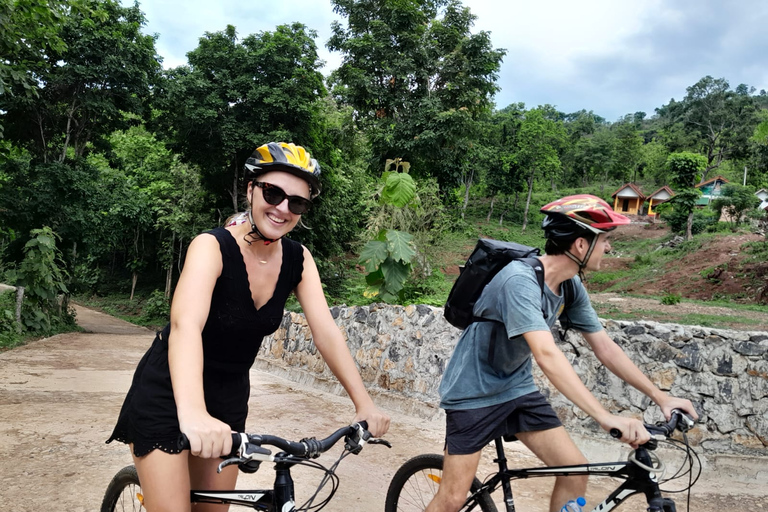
[60, 396]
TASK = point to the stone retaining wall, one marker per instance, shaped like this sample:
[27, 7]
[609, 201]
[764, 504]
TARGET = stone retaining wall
[402, 352]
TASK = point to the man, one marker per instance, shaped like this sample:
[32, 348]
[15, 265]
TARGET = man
[488, 389]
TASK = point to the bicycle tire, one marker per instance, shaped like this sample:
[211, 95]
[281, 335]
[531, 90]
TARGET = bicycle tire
[123, 492]
[416, 482]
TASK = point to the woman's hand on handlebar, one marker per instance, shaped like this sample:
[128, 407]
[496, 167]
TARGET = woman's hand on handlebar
[632, 431]
[208, 437]
[378, 421]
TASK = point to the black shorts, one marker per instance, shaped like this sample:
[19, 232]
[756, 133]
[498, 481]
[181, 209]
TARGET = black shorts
[469, 430]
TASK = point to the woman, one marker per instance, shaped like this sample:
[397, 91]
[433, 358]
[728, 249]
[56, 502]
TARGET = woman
[231, 293]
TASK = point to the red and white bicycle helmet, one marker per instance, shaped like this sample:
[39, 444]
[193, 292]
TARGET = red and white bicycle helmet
[571, 215]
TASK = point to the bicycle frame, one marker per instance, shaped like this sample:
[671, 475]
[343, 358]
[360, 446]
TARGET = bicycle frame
[278, 499]
[637, 480]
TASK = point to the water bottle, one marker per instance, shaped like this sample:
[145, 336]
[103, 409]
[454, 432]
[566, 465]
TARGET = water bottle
[574, 505]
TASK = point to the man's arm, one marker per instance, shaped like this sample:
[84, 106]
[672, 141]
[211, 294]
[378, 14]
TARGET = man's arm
[616, 360]
[560, 373]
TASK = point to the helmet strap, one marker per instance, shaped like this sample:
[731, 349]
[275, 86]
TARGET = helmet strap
[582, 263]
[255, 235]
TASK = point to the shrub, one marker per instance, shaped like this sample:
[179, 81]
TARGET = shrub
[670, 299]
[156, 307]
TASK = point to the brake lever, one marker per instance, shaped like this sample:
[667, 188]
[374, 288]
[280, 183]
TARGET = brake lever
[229, 462]
[377, 440]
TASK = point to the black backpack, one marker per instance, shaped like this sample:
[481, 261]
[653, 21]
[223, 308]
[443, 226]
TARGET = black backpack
[487, 259]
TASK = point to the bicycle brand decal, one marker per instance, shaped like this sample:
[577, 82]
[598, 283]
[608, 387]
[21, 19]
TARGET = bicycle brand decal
[602, 468]
[607, 467]
[232, 496]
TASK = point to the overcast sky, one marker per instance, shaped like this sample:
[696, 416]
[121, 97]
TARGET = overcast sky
[613, 57]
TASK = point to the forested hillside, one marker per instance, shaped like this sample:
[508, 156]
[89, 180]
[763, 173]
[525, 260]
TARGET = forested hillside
[110, 163]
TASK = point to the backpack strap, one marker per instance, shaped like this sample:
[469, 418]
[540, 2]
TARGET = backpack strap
[538, 268]
[569, 294]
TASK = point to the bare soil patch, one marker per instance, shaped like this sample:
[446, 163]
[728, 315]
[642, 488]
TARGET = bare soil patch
[720, 269]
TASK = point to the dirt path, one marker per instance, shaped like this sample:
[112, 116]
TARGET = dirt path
[60, 396]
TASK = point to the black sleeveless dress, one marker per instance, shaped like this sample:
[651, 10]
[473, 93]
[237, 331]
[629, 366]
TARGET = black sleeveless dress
[232, 336]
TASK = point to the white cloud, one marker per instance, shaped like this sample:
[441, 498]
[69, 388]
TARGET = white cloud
[603, 55]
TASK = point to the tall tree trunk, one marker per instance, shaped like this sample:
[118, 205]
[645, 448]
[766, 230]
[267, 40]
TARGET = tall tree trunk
[467, 185]
[134, 280]
[19, 302]
[528, 200]
[169, 272]
[234, 184]
[689, 227]
[70, 115]
[42, 137]
[490, 211]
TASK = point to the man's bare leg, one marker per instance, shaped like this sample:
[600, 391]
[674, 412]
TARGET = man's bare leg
[556, 448]
[458, 473]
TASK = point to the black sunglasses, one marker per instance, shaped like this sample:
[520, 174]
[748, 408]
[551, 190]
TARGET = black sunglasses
[274, 195]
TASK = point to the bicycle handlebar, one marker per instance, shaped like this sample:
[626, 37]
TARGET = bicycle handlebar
[677, 420]
[307, 447]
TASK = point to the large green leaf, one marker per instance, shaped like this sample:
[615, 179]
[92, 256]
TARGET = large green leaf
[395, 274]
[373, 254]
[399, 189]
[400, 245]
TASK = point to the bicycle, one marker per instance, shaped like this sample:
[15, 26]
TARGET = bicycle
[416, 482]
[124, 491]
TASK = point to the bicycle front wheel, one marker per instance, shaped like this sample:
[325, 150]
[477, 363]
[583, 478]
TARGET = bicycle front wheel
[416, 482]
[124, 492]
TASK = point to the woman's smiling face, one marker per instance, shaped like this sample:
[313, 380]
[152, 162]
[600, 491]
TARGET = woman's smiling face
[275, 221]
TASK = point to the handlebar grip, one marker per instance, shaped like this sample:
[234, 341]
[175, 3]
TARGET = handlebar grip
[183, 444]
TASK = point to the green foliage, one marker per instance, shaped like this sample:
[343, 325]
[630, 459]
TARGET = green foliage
[237, 94]
[716, 120]
[677, 219]
[157, 308]
[399, 189]
[735, 201]
[9, 331]
[100, 65]
[419, 83]
[670, 299]
[387, 259]
[43, 278]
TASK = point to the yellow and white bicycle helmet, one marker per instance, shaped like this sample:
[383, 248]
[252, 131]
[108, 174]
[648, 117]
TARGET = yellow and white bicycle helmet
[285, 157]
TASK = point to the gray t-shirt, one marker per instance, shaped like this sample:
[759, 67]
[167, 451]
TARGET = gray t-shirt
[473, 378]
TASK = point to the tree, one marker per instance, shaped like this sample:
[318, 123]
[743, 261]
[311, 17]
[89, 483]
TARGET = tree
[103, 66]
[627, 150]
[29, 29]
[238, 94]
[418, 84]
[388, 257]
[162, 202]
[504, 175]
[686, 169]
[735, 202]
[538, 143]
[718, 120]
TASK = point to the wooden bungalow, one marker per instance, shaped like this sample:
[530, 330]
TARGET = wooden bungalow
[662, 195]
[628, 199]
[710, 190]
